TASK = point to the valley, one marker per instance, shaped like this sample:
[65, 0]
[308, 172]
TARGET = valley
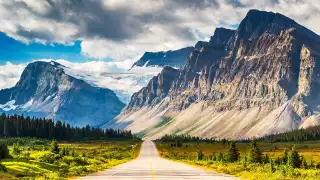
[116, 90]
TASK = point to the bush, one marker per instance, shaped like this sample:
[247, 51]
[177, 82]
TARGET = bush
[77, 170]
[16, 148]
[4, 151]
[3, 168]
[49, 157]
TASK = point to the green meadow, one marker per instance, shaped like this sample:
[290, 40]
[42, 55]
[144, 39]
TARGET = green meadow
[30, 158]
[274, 161]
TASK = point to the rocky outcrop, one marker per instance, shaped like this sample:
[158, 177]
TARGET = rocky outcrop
[176, 58]
[156, 90]
[44, 89]
[261, 78]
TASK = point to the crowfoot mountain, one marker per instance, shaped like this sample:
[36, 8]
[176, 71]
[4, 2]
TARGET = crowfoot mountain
[259, 79]
[45, 90]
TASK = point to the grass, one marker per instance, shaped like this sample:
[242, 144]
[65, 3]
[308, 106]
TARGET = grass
[187, 153]
[74, 160]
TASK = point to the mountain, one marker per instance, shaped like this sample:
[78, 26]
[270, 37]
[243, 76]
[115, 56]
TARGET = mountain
[44, 89]
[176, 58]
[259, 79]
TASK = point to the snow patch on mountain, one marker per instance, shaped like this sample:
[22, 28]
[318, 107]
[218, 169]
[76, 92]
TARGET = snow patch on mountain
[8, 106]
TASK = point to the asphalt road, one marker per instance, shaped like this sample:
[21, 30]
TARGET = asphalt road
[150, 166]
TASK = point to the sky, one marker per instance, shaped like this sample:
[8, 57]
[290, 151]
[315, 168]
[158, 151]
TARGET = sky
[81, 31]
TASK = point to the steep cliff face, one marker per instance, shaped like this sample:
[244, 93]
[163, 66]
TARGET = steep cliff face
[45, 90]
[261, 78]
[156, 90]
[176, 58]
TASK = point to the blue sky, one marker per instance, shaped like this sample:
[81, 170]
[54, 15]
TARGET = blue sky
[16, 52]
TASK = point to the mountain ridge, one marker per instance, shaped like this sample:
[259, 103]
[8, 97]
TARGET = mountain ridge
[44, 89]
[174, 58]
[259, 79]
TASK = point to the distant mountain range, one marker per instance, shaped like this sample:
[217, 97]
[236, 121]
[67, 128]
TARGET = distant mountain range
[259, 79]
[45, 90]
[175, 58]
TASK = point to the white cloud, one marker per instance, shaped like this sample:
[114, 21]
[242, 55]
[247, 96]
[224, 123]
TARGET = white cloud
[10, 74]
[122, 30]
[112, 75]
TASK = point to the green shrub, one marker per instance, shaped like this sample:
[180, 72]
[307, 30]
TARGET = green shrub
[4, 151]
[54, 147]
[49, 157]
[3, 168]
[16, 148]
[77, 170]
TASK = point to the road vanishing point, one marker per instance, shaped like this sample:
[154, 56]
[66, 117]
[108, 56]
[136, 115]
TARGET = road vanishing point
[149, 165]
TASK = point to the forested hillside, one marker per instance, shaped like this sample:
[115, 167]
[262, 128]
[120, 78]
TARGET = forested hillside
[20, 126]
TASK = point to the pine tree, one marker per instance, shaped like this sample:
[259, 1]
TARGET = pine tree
[233, 153]
[200, 155]
[255, 154]
[304, 164]
[54, 147]
[285, 156]
[220, 157]
[213, 157]
[293, 158]
[266, 159]
[272, 169]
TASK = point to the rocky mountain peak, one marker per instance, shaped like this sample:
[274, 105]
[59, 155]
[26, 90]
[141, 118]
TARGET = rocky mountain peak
[221, 37]
[175, 58]
[46, 90]
[257, 23]
[259, 79]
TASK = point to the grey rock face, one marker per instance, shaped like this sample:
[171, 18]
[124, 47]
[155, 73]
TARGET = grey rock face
[176, 58]
[45, 89]
[269, 61]
[156, 90]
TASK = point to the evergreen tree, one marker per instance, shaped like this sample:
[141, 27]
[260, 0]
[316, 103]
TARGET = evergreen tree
[54, 147]
[233, 153]
[20, 126]
[272, 169]
[200, 155]
[220, 157]
[293, 158]
[266, 159]
[285, 156]
[213, 157]
[255, 155]
[304, 164]
[245, 162]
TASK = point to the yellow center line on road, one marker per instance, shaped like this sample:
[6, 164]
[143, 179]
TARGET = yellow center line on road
[151, 171]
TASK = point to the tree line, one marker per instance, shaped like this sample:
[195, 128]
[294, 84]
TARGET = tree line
[307, 134]
[20, 126]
